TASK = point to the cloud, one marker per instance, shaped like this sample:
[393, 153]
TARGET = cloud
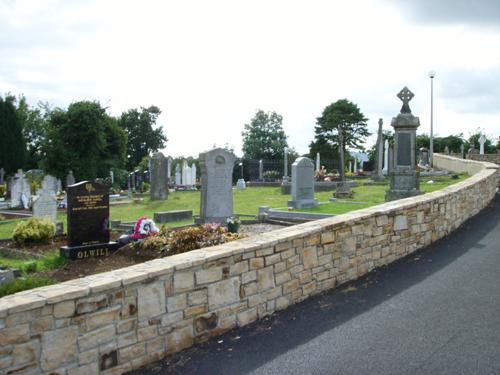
[484, 13]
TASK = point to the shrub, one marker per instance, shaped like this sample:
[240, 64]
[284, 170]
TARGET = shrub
[179, 241]
[3, 190]
[34, 230]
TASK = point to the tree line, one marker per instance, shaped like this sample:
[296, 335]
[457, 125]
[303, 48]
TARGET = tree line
[83, 138]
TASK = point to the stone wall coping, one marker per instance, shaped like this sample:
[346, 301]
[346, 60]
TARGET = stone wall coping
[152, 269]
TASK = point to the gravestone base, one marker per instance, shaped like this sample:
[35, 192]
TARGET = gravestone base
[404, 184]
[88, 251]
[209, 220]
[343, 190]
[303, 203]
[177, 215]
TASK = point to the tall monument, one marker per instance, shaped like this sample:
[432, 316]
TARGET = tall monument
[405, 179]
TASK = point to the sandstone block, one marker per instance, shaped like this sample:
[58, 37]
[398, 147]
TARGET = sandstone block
[151, 300]
[224, 292]
[265, 278]
[309, 257]
[59, 347]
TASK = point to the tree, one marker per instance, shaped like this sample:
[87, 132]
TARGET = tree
[83, 139]
[264, 137]
[143, 139]
[12, 145]
[489, 147]
[345, 116]
[34, 126]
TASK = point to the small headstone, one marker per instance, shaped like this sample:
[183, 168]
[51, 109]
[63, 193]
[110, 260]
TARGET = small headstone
[88, 221]
[302, 184]
[216, 202]
[446, 150]
[178, 180]
[159, 182]
[70, 179]
[193, 174]
[424, 157]
[482, 141]
[285, 167]
[240, 184]
[45, 204]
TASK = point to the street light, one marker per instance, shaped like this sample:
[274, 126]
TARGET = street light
[432, 74]
[241, 165]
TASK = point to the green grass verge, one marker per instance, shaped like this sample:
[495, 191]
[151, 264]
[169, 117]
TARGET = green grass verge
[23, 283]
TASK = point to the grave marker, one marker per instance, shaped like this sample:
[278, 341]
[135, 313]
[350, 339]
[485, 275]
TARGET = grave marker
[216, 203]
[88, 221]
[159, 180]
[302, 184]
[45, 204]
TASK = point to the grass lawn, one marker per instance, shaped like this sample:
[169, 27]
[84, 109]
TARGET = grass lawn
[248, 201]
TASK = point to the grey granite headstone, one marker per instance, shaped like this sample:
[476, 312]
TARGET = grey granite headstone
[216, 203]
[303, 184]
[404, 176]
[50, 183]
[70, 179]
[45, 204]
[159, 182]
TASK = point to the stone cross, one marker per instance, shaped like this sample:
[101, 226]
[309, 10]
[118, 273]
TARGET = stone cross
[285, 174]
[318, 162]
[386, 157]
[482, 141]
[405, 95]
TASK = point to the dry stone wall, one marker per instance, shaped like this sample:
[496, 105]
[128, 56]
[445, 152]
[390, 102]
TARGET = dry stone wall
[116, 321]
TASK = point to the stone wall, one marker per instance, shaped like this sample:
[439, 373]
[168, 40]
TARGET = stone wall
[116, 321]
[491, 158]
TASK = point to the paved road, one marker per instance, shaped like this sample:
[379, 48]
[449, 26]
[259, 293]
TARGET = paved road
[435, 312]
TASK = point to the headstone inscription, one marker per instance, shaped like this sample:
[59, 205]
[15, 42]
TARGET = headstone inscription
[88, 221]
[405, 179]
[216, 202]
[159, 181]
[302, 184]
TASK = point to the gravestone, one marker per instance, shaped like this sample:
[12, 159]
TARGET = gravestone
[45, 204]
[285, 167]
[446, 150]
[216, 202]
[379, 155]
[88, 221]
[184, 173]
[193, 174]
[462, 151]
[177, 175]
[129, 185]
[482, 141]
[70, 179]
[424, 156]
[2, 174]
[20, 191]
[50, 183]
[112, 176]
[405, 179]
[318, 162]
[261, 170]
[159, 182]
[169, 170]
[303, 184]
[386, 158]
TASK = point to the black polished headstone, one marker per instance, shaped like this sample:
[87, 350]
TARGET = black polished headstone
[88, 221]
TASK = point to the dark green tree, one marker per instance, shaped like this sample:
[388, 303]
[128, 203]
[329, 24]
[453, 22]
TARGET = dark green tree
[84, 139]
[264, 137]
[143, 139]
[489, 146]
[344, 116]
[12, 144]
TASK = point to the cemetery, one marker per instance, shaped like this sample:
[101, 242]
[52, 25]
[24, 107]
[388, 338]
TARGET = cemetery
[181, 252]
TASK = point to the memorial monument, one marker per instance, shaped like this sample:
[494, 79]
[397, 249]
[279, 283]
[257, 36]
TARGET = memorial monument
[404, 177]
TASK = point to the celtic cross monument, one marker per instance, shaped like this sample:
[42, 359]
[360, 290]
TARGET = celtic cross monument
[405, 179]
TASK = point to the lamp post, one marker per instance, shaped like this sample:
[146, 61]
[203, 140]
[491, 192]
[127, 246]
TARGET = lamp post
[241, 165]
[432, 74]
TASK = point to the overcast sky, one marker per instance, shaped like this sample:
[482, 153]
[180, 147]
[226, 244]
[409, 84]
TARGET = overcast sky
[209, 65]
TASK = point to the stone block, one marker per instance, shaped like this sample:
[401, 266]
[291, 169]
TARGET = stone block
[247, 317]
[223, 292]
[208, 275]
[91, 368]
[179, 339]
[59, 347]
[26, 353]
[256, 263]
[102, 318]
[265, 278]
[400, 222]
[131, 352]
[95, 338]
[42, 324]
[183, 281]
[177, 302]
[14, 335]
[151, 300]
[310, 257]
[198, 297]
